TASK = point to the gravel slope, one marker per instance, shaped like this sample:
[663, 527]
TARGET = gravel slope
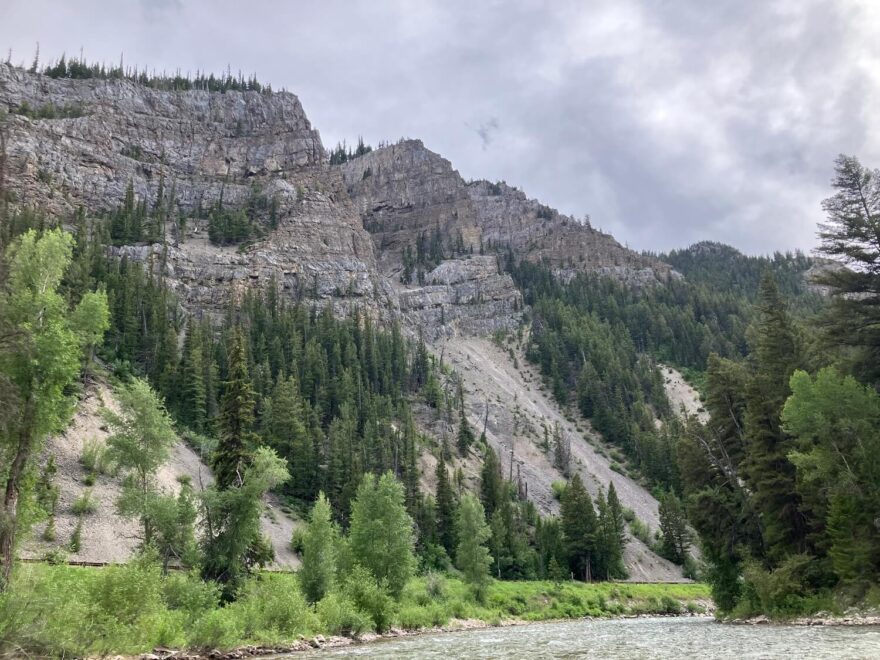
[517, 409]
[107, 537]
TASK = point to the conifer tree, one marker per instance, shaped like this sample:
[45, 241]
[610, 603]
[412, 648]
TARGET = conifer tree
[192, 401]
[445, 509]
[675, 536]
[579, 528]
[237, 440]
[775, 355]
[491, 483]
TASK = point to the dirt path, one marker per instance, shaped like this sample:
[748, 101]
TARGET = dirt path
[518, 411]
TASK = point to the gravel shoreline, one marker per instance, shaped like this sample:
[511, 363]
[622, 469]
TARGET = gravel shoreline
[334, 642]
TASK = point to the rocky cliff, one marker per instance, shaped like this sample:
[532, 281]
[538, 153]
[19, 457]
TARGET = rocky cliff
[406, 191]
[99, 136]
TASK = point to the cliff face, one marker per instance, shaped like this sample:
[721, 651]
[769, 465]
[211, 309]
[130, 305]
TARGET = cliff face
[341, 230]
[200, 146]
[404, 191]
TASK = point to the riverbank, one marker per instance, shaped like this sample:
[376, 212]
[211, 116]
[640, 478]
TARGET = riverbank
[132, 610]
[319, 642]
[851, 618]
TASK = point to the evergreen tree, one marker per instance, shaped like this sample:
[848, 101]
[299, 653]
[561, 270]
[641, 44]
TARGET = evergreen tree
[579, 528]
[237, 440]
[675, 536]
[233, 544]
[492, 488]
[613, 534]
[852, 237]
[445, 509]
[771, 475]
[192, 404]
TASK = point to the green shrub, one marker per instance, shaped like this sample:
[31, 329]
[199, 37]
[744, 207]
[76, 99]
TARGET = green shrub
[190, 594]
[218, 629]
[669, 605]
[435, 586]
[76, 537]
[339, 616]
[413, 617]
[271, 608]
[558, 488]
[84, 504]
[95, 457]
[127, 592]
[641, 531]
[370, 597]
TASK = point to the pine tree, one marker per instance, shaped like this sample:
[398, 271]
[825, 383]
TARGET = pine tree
[491, 483]
[579, 528]
[775, 355]
[445, 509]
[675, 536]
[192, 399]
[852, 236]
[237, 440]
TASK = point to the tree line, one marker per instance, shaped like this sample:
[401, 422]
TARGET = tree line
[782, 482]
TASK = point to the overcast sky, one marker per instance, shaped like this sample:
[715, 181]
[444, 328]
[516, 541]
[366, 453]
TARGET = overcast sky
[667, 122]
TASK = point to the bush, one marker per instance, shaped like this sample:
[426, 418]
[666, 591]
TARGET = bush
[558, 488]
[435, 586]
[413, 617]
[271, 608]
[219, 629]
[95, 457]
[793, 589]
[128, 592]
[641, 531]
[339, 616]
[190, 594]
[370, 597]
[84, 504]
[669, 605]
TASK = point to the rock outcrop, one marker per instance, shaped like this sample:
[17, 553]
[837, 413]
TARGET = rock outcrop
[201, 146]
[405, 190]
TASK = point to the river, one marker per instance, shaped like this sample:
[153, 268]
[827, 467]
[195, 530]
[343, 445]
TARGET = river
[628, 638]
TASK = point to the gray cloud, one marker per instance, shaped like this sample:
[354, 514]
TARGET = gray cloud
[668, 122]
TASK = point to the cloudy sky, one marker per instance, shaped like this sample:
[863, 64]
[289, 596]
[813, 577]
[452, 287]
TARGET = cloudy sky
[667, 121]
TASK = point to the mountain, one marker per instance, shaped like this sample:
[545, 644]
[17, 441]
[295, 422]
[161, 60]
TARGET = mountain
[395, 232]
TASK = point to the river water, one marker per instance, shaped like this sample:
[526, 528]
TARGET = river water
[683, 637]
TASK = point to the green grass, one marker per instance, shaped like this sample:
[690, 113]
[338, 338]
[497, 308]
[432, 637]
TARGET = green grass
[57, 610]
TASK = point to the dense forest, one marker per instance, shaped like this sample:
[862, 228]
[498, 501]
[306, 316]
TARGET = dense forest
[782, 482]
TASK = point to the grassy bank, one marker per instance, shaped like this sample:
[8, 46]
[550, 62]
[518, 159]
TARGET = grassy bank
[66, 610]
